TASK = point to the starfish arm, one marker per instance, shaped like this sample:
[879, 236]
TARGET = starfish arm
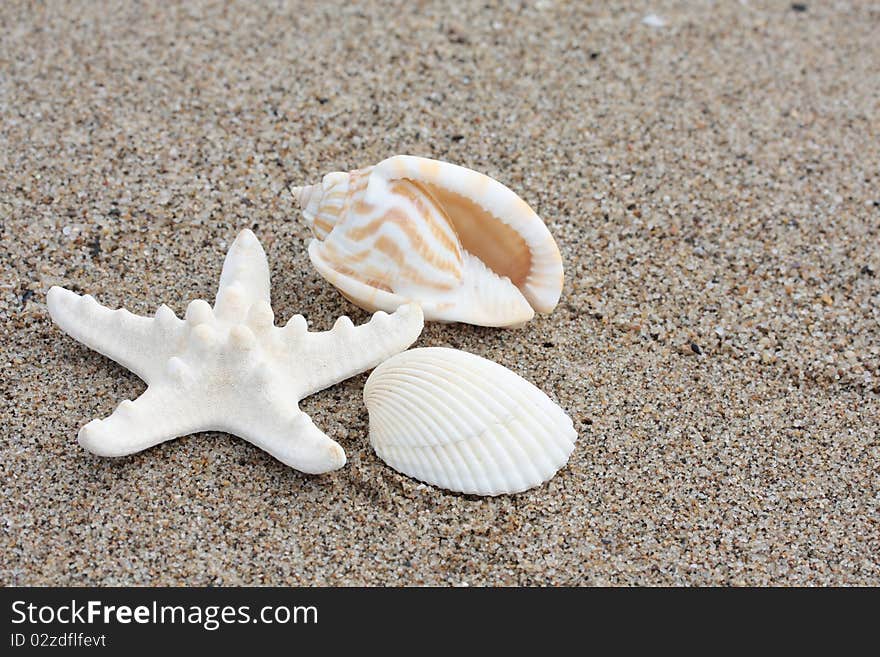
[140, 344]
[245, 278]
[291, 437]
[154, 417]
[329, 357]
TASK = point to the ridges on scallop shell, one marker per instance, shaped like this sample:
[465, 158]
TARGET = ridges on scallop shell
[461, 422]
[459, 243]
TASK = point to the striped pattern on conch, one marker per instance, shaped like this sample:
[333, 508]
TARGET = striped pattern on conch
[378, 243]
[384, 238]
[461, 422]
[543, 285]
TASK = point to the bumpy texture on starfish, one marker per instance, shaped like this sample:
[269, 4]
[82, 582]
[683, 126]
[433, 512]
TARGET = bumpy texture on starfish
[228, 368]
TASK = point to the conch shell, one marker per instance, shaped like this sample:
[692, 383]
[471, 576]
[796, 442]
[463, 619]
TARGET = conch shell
[462, 245]
[464, 423]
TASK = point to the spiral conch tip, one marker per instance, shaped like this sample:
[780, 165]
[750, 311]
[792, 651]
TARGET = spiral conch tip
[302, 194]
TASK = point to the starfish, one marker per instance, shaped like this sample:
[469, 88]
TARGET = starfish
[228, 368]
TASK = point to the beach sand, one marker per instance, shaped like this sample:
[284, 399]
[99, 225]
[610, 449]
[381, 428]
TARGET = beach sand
[712, 177]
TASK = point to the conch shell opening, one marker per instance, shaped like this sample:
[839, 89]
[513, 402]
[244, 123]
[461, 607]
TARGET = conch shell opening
[499, 246]
[457, 242]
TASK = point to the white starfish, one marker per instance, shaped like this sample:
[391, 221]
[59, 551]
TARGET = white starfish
[228, 368]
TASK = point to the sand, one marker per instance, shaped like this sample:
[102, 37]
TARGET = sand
[711, 176]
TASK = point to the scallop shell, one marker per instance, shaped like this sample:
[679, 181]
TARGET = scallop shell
[461, 244]
[461, 422]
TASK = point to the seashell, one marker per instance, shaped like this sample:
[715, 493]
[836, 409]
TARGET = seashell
[461, 244]
[464, 423]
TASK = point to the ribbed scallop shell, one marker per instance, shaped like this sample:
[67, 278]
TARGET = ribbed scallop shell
[461, 244]
[464, 423]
